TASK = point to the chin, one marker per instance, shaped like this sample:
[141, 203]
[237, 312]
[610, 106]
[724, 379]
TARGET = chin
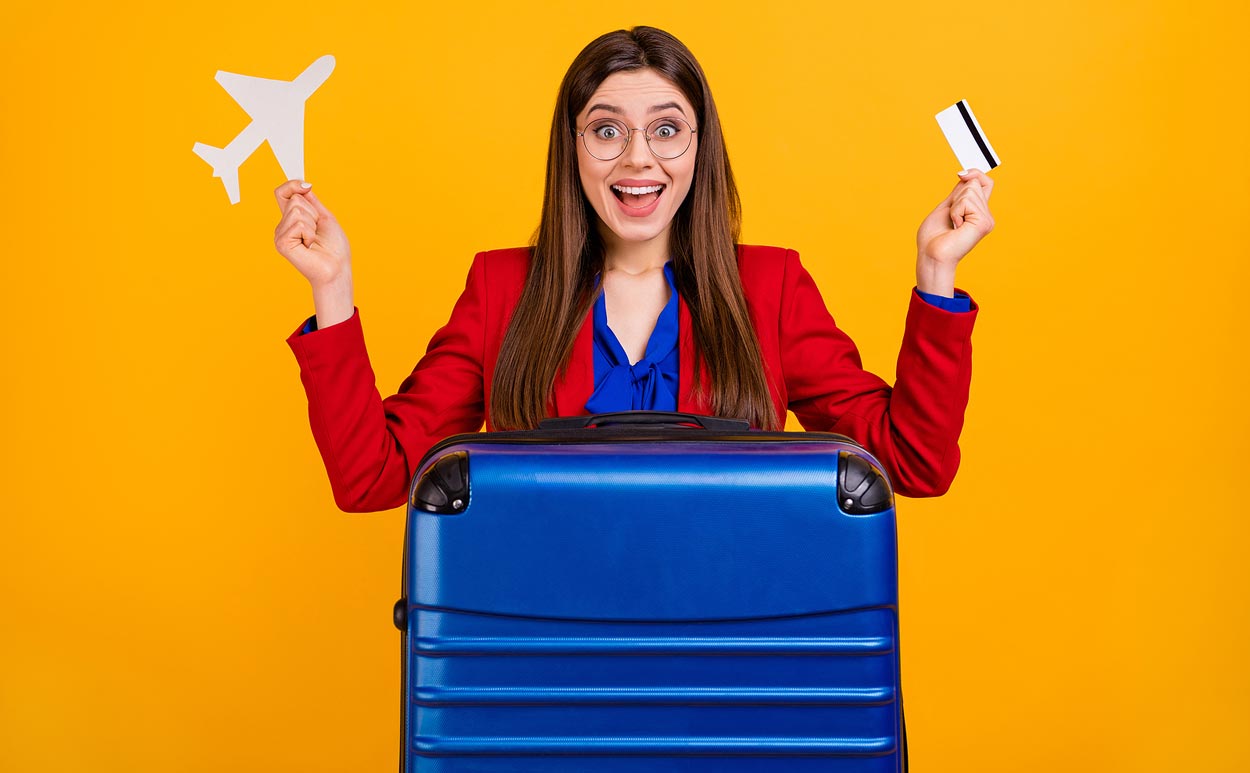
[639, 233]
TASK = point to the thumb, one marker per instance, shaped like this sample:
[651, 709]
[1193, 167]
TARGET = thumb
[288, 189]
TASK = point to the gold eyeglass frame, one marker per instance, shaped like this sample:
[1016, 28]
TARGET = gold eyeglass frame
[630, 137]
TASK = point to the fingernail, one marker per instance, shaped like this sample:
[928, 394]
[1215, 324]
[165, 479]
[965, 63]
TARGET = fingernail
[305, 186]
[962, 173]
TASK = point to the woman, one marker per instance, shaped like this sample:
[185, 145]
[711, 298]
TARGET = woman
[636, 294]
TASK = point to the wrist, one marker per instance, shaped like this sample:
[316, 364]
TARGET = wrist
[332, 282]
[934, 277]
[333, 301]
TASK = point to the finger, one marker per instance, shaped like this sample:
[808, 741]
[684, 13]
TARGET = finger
[297, 235]
[966, 180]
[974, 193]
[284, 192]
[968, 208]
[316, 202]
[969, 184]
[974, 214]
[298, 203]
[297, 209]
[296, 221]
[978, 177]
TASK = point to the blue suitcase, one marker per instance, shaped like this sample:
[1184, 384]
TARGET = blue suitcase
[648, 596]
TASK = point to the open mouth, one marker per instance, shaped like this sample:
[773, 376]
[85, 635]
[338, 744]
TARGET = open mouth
[638, 197]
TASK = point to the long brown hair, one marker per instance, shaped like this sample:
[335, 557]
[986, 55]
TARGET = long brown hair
[568, 251]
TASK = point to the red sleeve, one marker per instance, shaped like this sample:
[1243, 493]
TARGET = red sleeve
[371, 446]
[913, 428]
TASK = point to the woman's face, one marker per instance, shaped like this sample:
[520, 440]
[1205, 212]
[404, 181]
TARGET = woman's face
[636, 98]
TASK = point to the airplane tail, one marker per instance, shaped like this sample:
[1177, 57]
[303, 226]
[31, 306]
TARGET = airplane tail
[221, 164]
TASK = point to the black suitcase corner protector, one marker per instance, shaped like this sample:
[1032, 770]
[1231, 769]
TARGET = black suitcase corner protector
[444, 487]
[862, 486]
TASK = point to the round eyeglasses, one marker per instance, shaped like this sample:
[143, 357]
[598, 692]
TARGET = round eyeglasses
[607, 138]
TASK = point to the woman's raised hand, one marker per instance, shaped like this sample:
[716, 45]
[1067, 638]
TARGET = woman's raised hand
[311, 238]
[951, 231]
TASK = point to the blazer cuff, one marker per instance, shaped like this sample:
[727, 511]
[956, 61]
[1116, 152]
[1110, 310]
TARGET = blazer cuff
[934, 321]
[960, 303]
[322, 344]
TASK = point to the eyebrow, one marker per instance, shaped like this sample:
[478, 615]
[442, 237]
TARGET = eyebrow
[618, 111]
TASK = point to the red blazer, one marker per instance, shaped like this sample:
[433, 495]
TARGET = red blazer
[371, 446]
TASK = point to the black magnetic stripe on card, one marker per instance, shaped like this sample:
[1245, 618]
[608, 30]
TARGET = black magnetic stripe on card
[976, 135]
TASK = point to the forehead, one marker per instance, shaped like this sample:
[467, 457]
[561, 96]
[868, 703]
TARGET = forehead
[636, 92]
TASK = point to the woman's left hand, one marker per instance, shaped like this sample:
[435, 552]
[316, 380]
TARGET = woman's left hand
[951, 231]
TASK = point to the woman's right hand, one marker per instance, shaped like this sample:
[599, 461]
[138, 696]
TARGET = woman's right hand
[311, 238]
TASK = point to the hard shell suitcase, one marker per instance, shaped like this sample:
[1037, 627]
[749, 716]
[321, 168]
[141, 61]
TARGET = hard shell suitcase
[650, 597]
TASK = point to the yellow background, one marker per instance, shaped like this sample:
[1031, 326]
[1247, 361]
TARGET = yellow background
[178, 591]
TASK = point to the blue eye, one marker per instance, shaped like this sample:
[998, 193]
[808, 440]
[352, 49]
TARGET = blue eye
[607, 132]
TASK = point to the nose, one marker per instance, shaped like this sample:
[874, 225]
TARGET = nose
[637, 152]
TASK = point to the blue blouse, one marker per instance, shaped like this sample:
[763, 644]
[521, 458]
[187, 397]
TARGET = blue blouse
[649, 384]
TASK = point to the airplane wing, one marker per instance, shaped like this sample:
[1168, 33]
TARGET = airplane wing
[286, 140]
[257, 96]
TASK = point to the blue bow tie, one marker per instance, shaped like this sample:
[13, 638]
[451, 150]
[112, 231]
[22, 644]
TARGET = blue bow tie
[640, 386]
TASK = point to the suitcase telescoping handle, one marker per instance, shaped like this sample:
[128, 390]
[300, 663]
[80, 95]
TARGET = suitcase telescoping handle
[647, 418]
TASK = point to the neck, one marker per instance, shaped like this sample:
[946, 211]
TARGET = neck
[633, 257]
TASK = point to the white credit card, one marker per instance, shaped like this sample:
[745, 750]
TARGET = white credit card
[966, 138]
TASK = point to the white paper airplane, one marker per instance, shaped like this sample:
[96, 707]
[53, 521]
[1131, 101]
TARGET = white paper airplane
[277, 111]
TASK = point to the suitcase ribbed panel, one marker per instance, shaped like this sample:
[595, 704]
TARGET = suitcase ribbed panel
[691, 606]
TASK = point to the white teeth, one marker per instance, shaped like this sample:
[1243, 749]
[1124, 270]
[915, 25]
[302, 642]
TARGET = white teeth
[638, 191]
